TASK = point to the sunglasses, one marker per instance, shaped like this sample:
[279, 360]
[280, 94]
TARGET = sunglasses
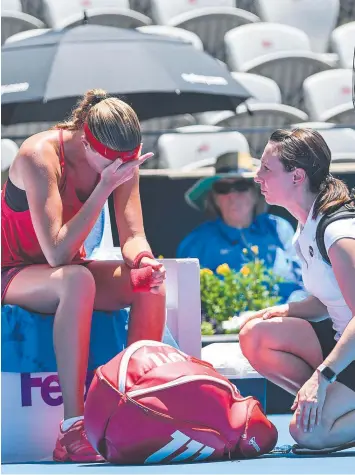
[224, 187]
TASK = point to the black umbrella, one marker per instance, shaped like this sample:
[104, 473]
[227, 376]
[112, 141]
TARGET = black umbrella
[43, 76]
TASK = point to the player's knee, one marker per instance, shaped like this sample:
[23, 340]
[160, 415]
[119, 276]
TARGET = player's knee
[311, 440]
[78, 280]
[251, 338]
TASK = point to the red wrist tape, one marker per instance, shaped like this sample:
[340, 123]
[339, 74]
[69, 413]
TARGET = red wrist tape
[139, 257]
[141, 279]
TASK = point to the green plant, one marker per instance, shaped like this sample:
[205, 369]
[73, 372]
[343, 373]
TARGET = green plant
[207, 328]
[228, 293]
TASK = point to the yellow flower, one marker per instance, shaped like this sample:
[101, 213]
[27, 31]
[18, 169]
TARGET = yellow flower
[255, 249]
[223, 269]
[245, 270]
[206, 271]
[245, 251]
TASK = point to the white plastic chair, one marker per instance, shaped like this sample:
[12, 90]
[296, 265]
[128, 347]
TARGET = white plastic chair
[158, 124]
[57, 11]
[261, 88]
[9, 151]
[343, 43]
[118, 18]
[15, 22]
[211, 25]
[173, 32]
[142, 6]
[286, 64]
[340, 141]
[289, 70]
[347, 12]
[248, 42]
[197, 143]
[24, 35]
[316, 18]
[163, 11]
[328, 96]
[20, 132]
[11, 5]
[248, 5]
[260, 115]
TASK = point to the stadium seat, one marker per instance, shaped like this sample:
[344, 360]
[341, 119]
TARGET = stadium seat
[118, 18]
[328, 96]
[11, 5]
[211, 25]
[15, 22]
[9, 151]
[261, 119]
[316, 18]
[342, 42]
[24, 35]
[197, 143]
[340, 141]
[173, 32]
[35, 8]
[163, 11]
[347, 12]
[261, 88]
[248, 42]
[56, 12]
[279, 52]
[142, 6]
[20, 132]
[152, 129]
[248, 5]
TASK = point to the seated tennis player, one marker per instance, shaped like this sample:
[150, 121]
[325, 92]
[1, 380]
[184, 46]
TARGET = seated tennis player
[57, 186]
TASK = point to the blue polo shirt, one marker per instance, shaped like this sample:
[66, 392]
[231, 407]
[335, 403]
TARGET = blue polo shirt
[215, 243]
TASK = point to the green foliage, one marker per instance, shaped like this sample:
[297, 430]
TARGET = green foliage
[230, 293]
[207, 328]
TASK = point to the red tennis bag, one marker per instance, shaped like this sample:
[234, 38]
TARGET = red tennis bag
[155, 404]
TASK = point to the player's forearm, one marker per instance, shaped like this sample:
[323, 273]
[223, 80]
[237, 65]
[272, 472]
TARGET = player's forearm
[308, 309]
[73, 233]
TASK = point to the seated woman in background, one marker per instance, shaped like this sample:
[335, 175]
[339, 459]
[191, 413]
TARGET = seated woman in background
[240, 222]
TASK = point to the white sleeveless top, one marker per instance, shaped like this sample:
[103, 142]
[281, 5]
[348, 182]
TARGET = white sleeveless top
[318, 276]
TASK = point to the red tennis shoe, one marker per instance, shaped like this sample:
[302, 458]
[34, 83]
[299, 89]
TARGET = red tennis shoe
[73, 446]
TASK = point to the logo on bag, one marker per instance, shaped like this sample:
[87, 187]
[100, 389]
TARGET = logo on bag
[160, 358]
[181, 441]
[252, 442]
[49, 387]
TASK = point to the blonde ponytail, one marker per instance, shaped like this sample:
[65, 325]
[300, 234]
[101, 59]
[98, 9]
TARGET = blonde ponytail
[113, 122]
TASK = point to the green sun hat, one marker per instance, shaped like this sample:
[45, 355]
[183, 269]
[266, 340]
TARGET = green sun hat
[229, 165]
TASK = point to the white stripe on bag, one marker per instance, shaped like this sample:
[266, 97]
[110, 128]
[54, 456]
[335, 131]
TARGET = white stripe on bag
[179, 440]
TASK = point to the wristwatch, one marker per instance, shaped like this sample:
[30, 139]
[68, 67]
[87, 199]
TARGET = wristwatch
[327, 372]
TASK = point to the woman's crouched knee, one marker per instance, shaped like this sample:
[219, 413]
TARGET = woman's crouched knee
[311, 440]
[251, 338]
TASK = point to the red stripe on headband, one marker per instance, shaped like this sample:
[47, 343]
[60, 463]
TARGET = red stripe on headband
[109, 152]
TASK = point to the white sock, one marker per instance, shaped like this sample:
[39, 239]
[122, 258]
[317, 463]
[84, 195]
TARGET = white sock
[67, 423]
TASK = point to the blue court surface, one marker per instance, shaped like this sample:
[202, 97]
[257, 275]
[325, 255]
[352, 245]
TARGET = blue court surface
[341, 462]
